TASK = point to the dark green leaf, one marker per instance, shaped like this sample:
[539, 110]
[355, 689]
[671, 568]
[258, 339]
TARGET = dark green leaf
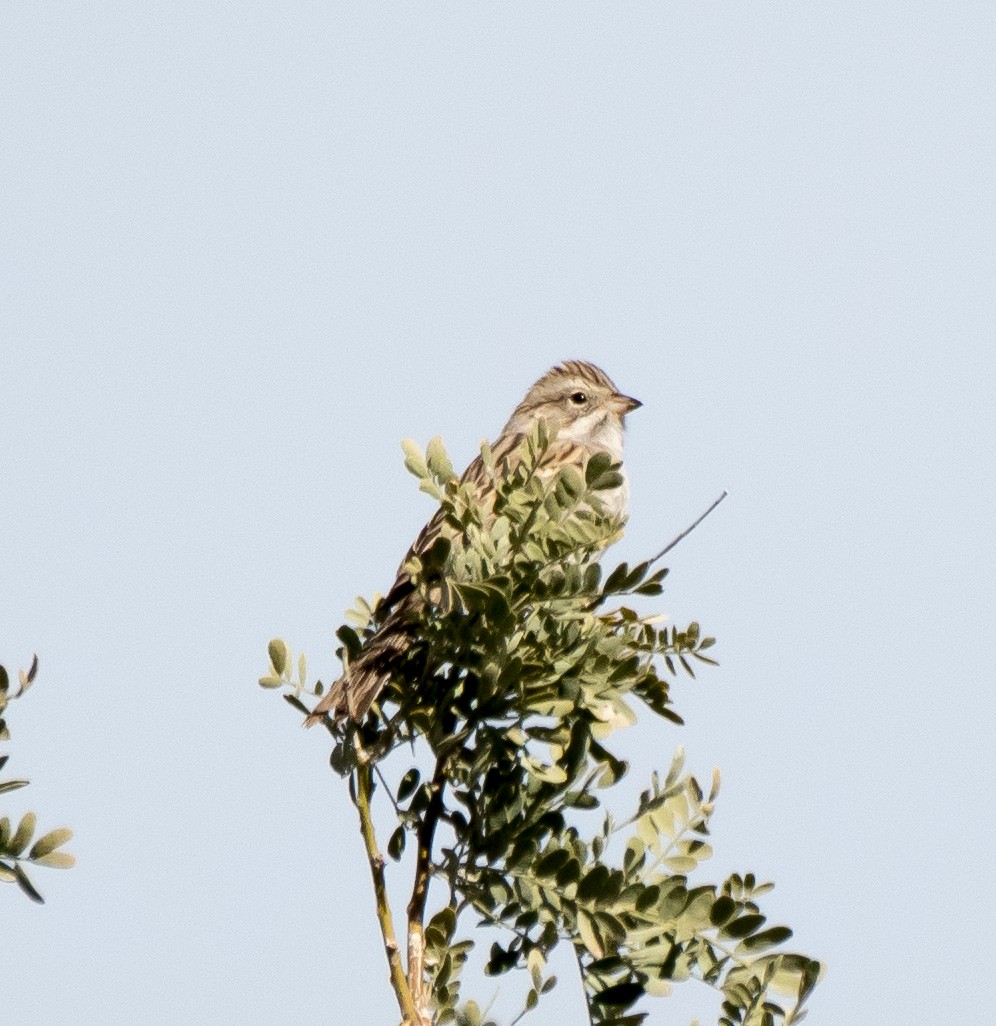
[599, 463]
[350, 640]
[296, 703]
[722, 909]
[26, 885]
[616, 580]
[766, 939]
[569, 874]
[439, 930]
[396, 844]
[743, 926]
[594, 884]
[408, 784]
[552, 862]
[620, 995]
[647, 898]
[340, 762]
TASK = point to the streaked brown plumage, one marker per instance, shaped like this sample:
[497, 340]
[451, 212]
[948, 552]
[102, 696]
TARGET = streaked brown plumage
[586, 413]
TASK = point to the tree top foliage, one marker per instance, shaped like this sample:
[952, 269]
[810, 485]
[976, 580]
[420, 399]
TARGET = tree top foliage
[15, 852]
[525, 660]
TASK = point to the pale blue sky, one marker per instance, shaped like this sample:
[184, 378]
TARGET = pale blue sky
[249, 247]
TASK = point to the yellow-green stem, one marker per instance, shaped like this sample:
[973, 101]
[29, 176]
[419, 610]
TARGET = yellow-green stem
[364, 790]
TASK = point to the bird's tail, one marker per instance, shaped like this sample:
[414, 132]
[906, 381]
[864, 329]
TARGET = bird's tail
[365, 677]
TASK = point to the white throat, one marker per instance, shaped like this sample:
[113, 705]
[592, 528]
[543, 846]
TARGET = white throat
[600, 429]
[603, 431]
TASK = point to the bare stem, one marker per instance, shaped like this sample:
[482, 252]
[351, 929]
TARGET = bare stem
[688, 530]
[364, 792]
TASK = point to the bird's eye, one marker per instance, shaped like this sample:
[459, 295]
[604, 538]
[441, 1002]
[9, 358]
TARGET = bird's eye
[578, 398]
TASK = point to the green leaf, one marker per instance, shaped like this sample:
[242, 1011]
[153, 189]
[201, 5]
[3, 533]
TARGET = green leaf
[396, 844]
[56, 860]
[12, 785]
[23, 834]
[620, 995]
[408, 784]
[743, 926]
[26, 885]
[723, 909]
[594, 884]
[765, 939]
[4, 679]
[569, 874]
[647, 898]
[341, 761]
[681, 864]
[439, 930]
[278, 656]
[52, 840]
[548, 774]
[616, 580]
[470, 1015]
[589, 935]
[414, 459]
[552, 862]
[536, 963]
[596, 467]
[439, 463]
[296, 703]
[350, 640]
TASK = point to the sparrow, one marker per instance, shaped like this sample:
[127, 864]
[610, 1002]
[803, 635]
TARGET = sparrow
[585, 414]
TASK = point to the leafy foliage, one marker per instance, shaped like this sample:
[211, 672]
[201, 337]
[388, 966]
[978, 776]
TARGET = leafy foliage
[519, 671]
[15, 841]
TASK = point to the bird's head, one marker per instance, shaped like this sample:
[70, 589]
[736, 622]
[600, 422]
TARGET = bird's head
[580, 403]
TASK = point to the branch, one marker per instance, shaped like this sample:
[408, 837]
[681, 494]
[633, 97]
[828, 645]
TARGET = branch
[364, 791]
[420, 889]
[584, 984]
[688, 530]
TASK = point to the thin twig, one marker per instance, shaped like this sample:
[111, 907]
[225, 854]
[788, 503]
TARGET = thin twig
[584, 987]
[387, 790]
[688, 530]
[364, 791]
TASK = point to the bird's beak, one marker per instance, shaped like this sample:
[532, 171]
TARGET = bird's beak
[624, 404]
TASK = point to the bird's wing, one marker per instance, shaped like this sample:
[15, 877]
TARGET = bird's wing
[506, 454]
[505, 457]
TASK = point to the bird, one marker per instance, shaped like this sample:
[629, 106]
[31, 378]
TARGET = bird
[585, 414]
